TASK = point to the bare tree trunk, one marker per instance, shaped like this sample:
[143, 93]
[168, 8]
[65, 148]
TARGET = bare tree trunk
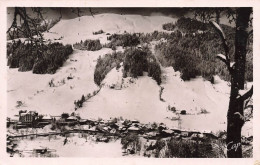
[236, 103]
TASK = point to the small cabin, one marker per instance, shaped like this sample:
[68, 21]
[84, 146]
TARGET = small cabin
[118, 86]
[72, 119]
[46, 118]
[185, 133]
[151, 135]
[166, 133]
[82, 121]
[133, 129]
[197, 136]
[113, 131]
[209, 134]
[183, 112]
[176, 130]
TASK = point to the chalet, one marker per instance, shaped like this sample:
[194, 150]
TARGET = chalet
[118, 86]
[114, 125]
[47, 118]
[149, 127]
[135, 121]
[176, 130]
[85, 127]
[106, 129]
[41, 124]
[77, 127]
[55, 118]
[161, 127]
[209, 134]
[175, 116]
[12, 121]
[151, 135]
[194, 132]
[101, 121]
[185, 133]
[91, 122]
[166, 133]
[134, 129]
[92, 128]
[196, 136]
[83, 121]
[113, 131]
[72, 119]
[122, 129]
[28, 118]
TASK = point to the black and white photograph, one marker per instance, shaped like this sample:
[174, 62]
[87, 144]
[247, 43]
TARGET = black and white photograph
[129, 82]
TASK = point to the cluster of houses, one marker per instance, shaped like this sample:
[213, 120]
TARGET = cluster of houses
[113, 127]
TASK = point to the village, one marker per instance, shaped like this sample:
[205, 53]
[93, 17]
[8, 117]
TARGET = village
[30, 125]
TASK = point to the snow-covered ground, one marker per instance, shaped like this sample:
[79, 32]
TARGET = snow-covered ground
[82, 147]
[138, 99]
[36, 94]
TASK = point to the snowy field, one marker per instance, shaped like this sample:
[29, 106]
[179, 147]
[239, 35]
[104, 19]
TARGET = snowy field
[82, 147]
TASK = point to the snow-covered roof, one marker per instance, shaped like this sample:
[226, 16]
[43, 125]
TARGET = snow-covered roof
[207, 131]
[85, 126]
[83, 120]
[168, 131]
[134, 121]
[133, 128]
[47, 117]
[151, 133]
[72, 118]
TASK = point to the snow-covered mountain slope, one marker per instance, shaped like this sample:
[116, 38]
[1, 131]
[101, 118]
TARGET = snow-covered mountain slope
[77, 29]
[36, 94]
[137, 99]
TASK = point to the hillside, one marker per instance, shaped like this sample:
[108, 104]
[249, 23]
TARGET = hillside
[77, 29]
[138, 99]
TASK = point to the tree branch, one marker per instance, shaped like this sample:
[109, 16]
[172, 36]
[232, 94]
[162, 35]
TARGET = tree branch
[223, 38]
[248, 94]
[225, 58]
